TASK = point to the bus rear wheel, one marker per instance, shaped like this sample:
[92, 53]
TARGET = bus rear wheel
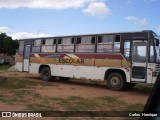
[116, 81]
[46, 74]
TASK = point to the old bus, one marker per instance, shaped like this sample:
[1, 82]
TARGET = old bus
[122, 59]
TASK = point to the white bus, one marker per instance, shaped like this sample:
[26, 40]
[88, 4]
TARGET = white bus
[122, 59]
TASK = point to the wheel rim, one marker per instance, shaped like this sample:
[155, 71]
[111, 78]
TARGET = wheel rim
[46, 74]
[115, 81]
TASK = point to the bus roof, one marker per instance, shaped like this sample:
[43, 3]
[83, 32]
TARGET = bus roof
[61, 36]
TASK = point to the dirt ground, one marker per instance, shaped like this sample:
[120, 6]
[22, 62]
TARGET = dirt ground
[83, 89]
[64, 89]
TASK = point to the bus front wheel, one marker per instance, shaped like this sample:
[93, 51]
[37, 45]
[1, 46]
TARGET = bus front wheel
[115, 81]
[46, 74]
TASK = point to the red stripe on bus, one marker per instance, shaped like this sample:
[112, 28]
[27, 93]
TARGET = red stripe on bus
[84, 56]
[100, 56]
[19, 54]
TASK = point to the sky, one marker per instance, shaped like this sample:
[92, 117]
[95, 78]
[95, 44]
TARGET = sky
[42, 18]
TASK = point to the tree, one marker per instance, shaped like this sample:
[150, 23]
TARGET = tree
[8, 46]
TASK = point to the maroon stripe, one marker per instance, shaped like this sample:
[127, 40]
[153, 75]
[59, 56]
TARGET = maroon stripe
[100, 56]
[31, 55]
[20, 54]
[83, 56]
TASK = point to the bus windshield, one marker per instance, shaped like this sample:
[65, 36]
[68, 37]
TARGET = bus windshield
[157, 51]
[157, 47]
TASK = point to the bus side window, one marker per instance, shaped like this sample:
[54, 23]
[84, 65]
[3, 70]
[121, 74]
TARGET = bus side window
[87, 44]
[105, 44]
[127, 46]
[43, 42]
[151, 52]
[66, 45]
[99, 39]
[93, 40]
[36, 46]
[48, 46]
[59, 41]
[117, 43]
[78, 40]
[55, 42]
[108, 43]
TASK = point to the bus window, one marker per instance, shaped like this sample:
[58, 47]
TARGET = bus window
[37, 42]
[59, 41]
[78, 40]
[66, 45]
[127, 46]
[36, 46]
[93, 41]
[48, 46]
[43, 42]
[108, 44]
[55, 42]
[73, 40]
[117, 43]
[105, 43]
[87, 44]
[151, 58]
[99, 39]
[49, 42]
[139, 52]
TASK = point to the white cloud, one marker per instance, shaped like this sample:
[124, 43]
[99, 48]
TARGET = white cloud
[23, 35]
[95, 8]
[45, 4]
[142, 22]
[131, 18]
[138, 21]
[98, 9]
[4, 29]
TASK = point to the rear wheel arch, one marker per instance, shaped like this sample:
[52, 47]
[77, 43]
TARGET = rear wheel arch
[42, 66]
[45, 72]
[116, 79]
[109, 71]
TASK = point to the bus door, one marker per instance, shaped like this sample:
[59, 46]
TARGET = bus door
[139, 59]
[26, 57]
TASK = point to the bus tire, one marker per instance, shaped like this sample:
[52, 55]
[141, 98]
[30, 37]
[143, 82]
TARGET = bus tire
[46, 74]
[116, 81]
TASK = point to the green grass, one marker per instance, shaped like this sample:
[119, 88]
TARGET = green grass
[5, 67]
[135, 107]
[16, 84]
[76, 103]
